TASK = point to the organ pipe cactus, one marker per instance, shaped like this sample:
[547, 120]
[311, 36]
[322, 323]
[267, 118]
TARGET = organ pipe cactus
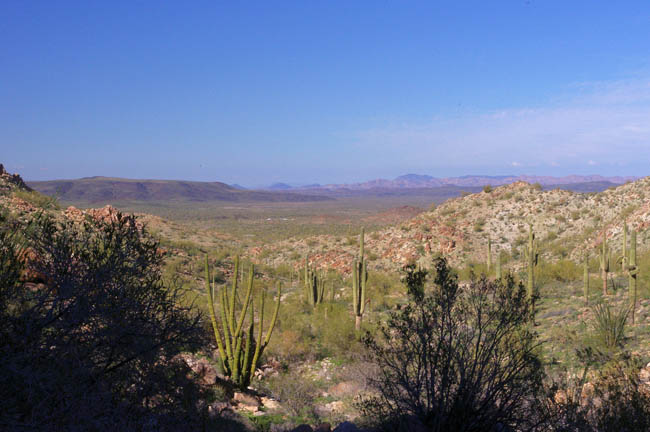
[604, 260]
[239, 351]
[359, 282]
[632, 272]
[585, 279]
[314, 286]
[532, 259]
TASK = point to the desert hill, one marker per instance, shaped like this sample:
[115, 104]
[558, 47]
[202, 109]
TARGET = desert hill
[108, 190]
[568, 224]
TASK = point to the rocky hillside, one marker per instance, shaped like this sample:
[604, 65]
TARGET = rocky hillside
[568, 224]
[11, 182]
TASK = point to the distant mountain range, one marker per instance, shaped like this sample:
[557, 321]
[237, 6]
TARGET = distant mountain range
[109, 190]
[415, 181]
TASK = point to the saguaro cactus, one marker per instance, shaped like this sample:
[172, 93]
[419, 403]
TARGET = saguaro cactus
[532, 259]
[489, 254]
[314, 285]
[239, 351]
[498, 266]
[632, 272]
[585, 279]
[624, 250]
[604, 259]
[359, 281]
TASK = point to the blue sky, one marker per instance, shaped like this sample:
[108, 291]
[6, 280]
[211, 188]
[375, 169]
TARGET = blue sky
[333, 91]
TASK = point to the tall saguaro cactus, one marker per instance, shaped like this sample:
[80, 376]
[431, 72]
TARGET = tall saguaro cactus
[632, 272]
[498, 266]
[604, 260]
[359, 282]
[624, 250]
[489, 254]
[585, 279]
[239, 351]
[532, 259]
[314, 285]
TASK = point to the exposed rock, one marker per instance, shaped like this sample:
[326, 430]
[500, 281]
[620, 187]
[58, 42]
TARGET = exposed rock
[206, 372]
[344, 388]
[644, 375]
[107, 214]
[323, 427]
[560, 397]
[247, 401]
[269, 403]
[331, 408]
[12, 179]
[458, 228]
[217, 408]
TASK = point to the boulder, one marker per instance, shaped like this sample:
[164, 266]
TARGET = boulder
[344, 388]
[269, 403]
[247, 401]
[206, 372]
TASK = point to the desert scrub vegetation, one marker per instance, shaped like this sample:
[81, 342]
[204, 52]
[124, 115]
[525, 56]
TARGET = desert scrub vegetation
[98, 329]
[456, 358]
[38, 200]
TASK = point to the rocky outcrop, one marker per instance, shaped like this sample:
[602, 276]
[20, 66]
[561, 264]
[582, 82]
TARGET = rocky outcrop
[8, 181]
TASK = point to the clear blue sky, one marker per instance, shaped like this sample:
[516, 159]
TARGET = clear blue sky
[323, 91]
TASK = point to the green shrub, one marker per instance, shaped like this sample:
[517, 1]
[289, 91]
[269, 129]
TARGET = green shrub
[558, 271]
[609, 324]
[38, 200]
[94, 348]
[484, 353]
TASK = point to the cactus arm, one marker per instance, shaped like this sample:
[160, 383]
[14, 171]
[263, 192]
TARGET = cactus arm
[274, 318]
[498, 266]
[489, 254]
[355, 284]
[585, 280]
[236, 367]
[247, 350]
[633, 272]
[625, 251]
[226, 328]
[231, 309]
[249, 292]
[364, 280]
[362, 243]
[258, 347]
[213, 317]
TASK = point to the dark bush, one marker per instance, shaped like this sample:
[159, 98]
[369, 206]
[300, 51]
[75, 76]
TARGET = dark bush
[93, 348]
[457, 359]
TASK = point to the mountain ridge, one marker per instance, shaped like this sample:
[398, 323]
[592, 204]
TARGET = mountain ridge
[414, 181]
[110, 190]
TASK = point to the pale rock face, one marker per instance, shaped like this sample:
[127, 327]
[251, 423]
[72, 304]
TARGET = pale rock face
[247, 401]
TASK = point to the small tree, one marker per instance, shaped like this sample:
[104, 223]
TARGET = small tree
[95, 346]
[456, 358]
